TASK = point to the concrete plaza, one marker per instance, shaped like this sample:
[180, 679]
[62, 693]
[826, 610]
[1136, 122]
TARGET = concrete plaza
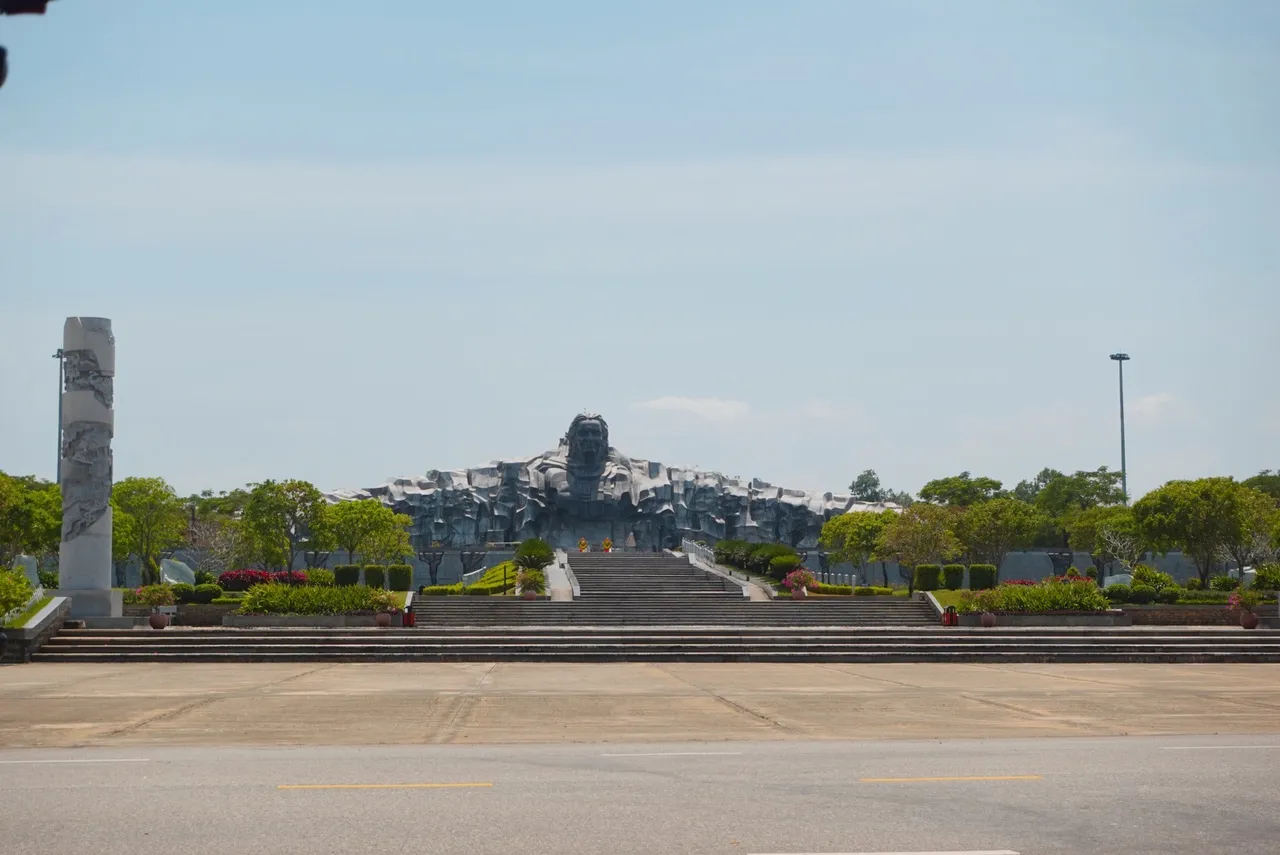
[68, 705]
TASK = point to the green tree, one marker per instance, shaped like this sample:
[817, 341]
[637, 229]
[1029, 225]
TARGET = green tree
[1108, 533]
[1267, 482]
[278, 519]
[352, 524]
[30, 518]
[122, 539]
[1027, 491]
[853, 537]
[1079, 492]
[390, 541]
[988, 531]
[15, 591]
[961, 491]
[534, 554]
[919, 535]
[1200, 518]
[866, 487]
[157, 520]
[1252, 543]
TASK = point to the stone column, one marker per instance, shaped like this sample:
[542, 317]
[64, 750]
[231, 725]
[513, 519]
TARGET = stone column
[88, 422]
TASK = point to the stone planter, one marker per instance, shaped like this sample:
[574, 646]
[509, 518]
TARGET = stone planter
[529, 595]
[1248, 620]
[158, 620]
[799, 593]
[382, 619]
[988, 619]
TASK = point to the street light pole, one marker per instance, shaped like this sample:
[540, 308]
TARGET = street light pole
[1121, 359]
[61, 385]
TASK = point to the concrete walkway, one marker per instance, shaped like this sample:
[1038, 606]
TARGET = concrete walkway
[414, 703]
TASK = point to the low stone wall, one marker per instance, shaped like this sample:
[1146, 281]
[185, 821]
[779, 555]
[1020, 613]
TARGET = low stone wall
[1188, 615]
[27, 640]
[1111, 618]
[203, 614]
[326, 621]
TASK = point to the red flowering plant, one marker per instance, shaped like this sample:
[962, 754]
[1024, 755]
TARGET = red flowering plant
[243, 580]
[1019, 582]
[1244, 600]
[289, 577]
[797, 579]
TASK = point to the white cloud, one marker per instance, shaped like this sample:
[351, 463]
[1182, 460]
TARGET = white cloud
[1151, 407]
[709, 409]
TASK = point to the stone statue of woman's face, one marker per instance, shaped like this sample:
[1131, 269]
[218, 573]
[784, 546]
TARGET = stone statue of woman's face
[588, 443]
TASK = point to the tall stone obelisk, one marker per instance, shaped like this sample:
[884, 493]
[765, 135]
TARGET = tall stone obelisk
[88, 423]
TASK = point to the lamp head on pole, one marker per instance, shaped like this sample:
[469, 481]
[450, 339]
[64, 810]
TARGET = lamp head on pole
[1120, 357]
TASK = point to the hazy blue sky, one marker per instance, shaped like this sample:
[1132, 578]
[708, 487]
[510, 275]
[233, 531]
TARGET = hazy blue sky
[791, 240]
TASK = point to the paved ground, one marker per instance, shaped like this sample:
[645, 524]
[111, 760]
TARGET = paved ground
[1138, 796]
[56, 705]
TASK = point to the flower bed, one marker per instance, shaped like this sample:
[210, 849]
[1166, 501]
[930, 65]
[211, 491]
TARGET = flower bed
[1061, 596]
[277, 599]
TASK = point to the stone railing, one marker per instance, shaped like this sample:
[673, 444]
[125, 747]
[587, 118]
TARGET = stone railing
[697, 550]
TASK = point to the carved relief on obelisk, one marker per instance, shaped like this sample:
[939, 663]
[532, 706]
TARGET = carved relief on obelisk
[88, 423]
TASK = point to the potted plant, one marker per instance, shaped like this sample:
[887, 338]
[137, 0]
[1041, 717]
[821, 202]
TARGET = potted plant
[531, 582]
[1245, 602]
[798, 582]
[155, 596]
[606, 545]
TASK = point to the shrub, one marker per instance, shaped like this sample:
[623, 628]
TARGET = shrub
[534, 554]
[928, 577]
[440, 590]
[872, 591]
[204, 577]
[1151, 577]
[1194, 584]
[832, 590]
[797, 579]
[531, 580]
[289, 577]
[1268, 578]
[15, 591]
[205, 593]
[154, 595]
[953, 576]
[1169, 595]
[48, 578]
[346, 574]
[184, 593]
[1141, 594]
[1047, 597]
[763, 555]
[1224, 583]
[375, 575]
[320, 577]
[400, 577]
[733, 553]
[982, 576]
[478, 590]
[1092, 573]
[1118, 593]
[1245, 600]
[243, 580]
[306, 600]
[781, 565]
[227, 601]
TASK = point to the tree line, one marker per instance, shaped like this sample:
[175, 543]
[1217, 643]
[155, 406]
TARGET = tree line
[1211, 520]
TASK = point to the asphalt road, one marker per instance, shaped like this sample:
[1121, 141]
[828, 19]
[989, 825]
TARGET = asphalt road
[1158, 795]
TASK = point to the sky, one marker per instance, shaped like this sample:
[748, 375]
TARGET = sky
[787, 241]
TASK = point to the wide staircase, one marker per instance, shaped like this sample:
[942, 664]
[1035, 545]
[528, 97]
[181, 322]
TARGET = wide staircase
[670, 644]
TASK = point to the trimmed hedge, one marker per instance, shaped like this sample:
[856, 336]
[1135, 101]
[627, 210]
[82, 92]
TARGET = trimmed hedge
[831, 590]
[243, 580]
[184, 592]
[440, 590]
[928, 577]
[982, 576]
[953, 576]
[781, 565]
[375, 575]
[872, 591]
[1141, 594]
[1118, 593]
[1224, 583]
[345, 575]
[400, 577]
[205, 593]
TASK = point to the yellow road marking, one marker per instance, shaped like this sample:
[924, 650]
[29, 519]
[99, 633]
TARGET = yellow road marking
[955, 778]
[379, 786]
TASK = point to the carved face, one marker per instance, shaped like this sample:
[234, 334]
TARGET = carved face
[588, 442]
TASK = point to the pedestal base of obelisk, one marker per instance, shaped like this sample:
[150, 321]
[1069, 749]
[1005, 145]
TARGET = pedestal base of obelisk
[84, 573]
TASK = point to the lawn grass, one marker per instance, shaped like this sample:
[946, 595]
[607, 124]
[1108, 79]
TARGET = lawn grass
[948, 598]
[21, 620]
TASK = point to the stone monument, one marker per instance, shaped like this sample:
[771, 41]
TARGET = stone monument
[586, 488]
[88, 422]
